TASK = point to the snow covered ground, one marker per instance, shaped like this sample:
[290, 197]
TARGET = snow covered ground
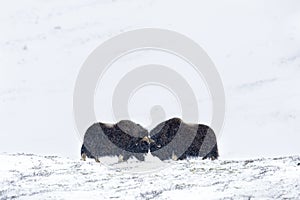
[27, 176]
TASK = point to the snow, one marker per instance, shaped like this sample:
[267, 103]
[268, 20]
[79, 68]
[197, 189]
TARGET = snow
[28, 176]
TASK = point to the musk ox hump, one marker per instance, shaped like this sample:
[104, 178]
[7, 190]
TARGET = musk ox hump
[132, 128]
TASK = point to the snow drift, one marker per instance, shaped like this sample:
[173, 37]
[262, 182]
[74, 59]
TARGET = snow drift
[27, 176]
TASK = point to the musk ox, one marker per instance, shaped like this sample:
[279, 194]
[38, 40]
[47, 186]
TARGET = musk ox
[124, 139]
[174, 139]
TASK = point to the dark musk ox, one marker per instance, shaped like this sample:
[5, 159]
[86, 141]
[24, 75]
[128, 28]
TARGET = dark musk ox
[172, 139]
[124, 139]
[177, 140]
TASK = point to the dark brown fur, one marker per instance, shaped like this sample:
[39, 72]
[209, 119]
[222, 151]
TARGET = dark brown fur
[176, 139]
[124, 138]
[170, 139]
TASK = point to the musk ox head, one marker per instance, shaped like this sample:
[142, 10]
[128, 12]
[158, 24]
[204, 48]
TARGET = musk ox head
[139, 145]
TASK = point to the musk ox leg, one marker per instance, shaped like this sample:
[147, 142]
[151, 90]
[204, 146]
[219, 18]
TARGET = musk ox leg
[182, 157]
[85, 153]
[209, 157]
[140, 157]
[174, 157]
[213, 154]
[124, 157]
[121, 158]
[97, 160]
[83, 157]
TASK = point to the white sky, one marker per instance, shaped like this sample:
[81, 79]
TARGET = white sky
[255, 46]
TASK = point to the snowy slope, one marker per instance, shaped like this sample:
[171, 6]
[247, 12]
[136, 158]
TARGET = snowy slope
[27, 176]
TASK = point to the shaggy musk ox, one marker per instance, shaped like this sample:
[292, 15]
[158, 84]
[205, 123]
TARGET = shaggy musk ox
[174, 139]
[125, 139]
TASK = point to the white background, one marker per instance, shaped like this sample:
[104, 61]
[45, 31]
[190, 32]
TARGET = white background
[255, 46]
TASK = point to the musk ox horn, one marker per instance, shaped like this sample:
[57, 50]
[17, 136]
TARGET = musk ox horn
[147, 139]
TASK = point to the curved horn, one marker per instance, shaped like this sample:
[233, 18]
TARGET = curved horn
[147, 139]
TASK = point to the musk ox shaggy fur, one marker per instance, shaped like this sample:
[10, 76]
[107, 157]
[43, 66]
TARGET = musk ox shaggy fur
[171, 139]
[124, 139]
[175, 139]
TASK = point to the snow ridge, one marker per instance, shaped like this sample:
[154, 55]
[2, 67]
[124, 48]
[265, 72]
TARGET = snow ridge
[27, 176]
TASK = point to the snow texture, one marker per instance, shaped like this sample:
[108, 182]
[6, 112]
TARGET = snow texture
[27, 176]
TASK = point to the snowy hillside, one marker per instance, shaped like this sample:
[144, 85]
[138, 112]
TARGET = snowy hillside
[27, 176]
